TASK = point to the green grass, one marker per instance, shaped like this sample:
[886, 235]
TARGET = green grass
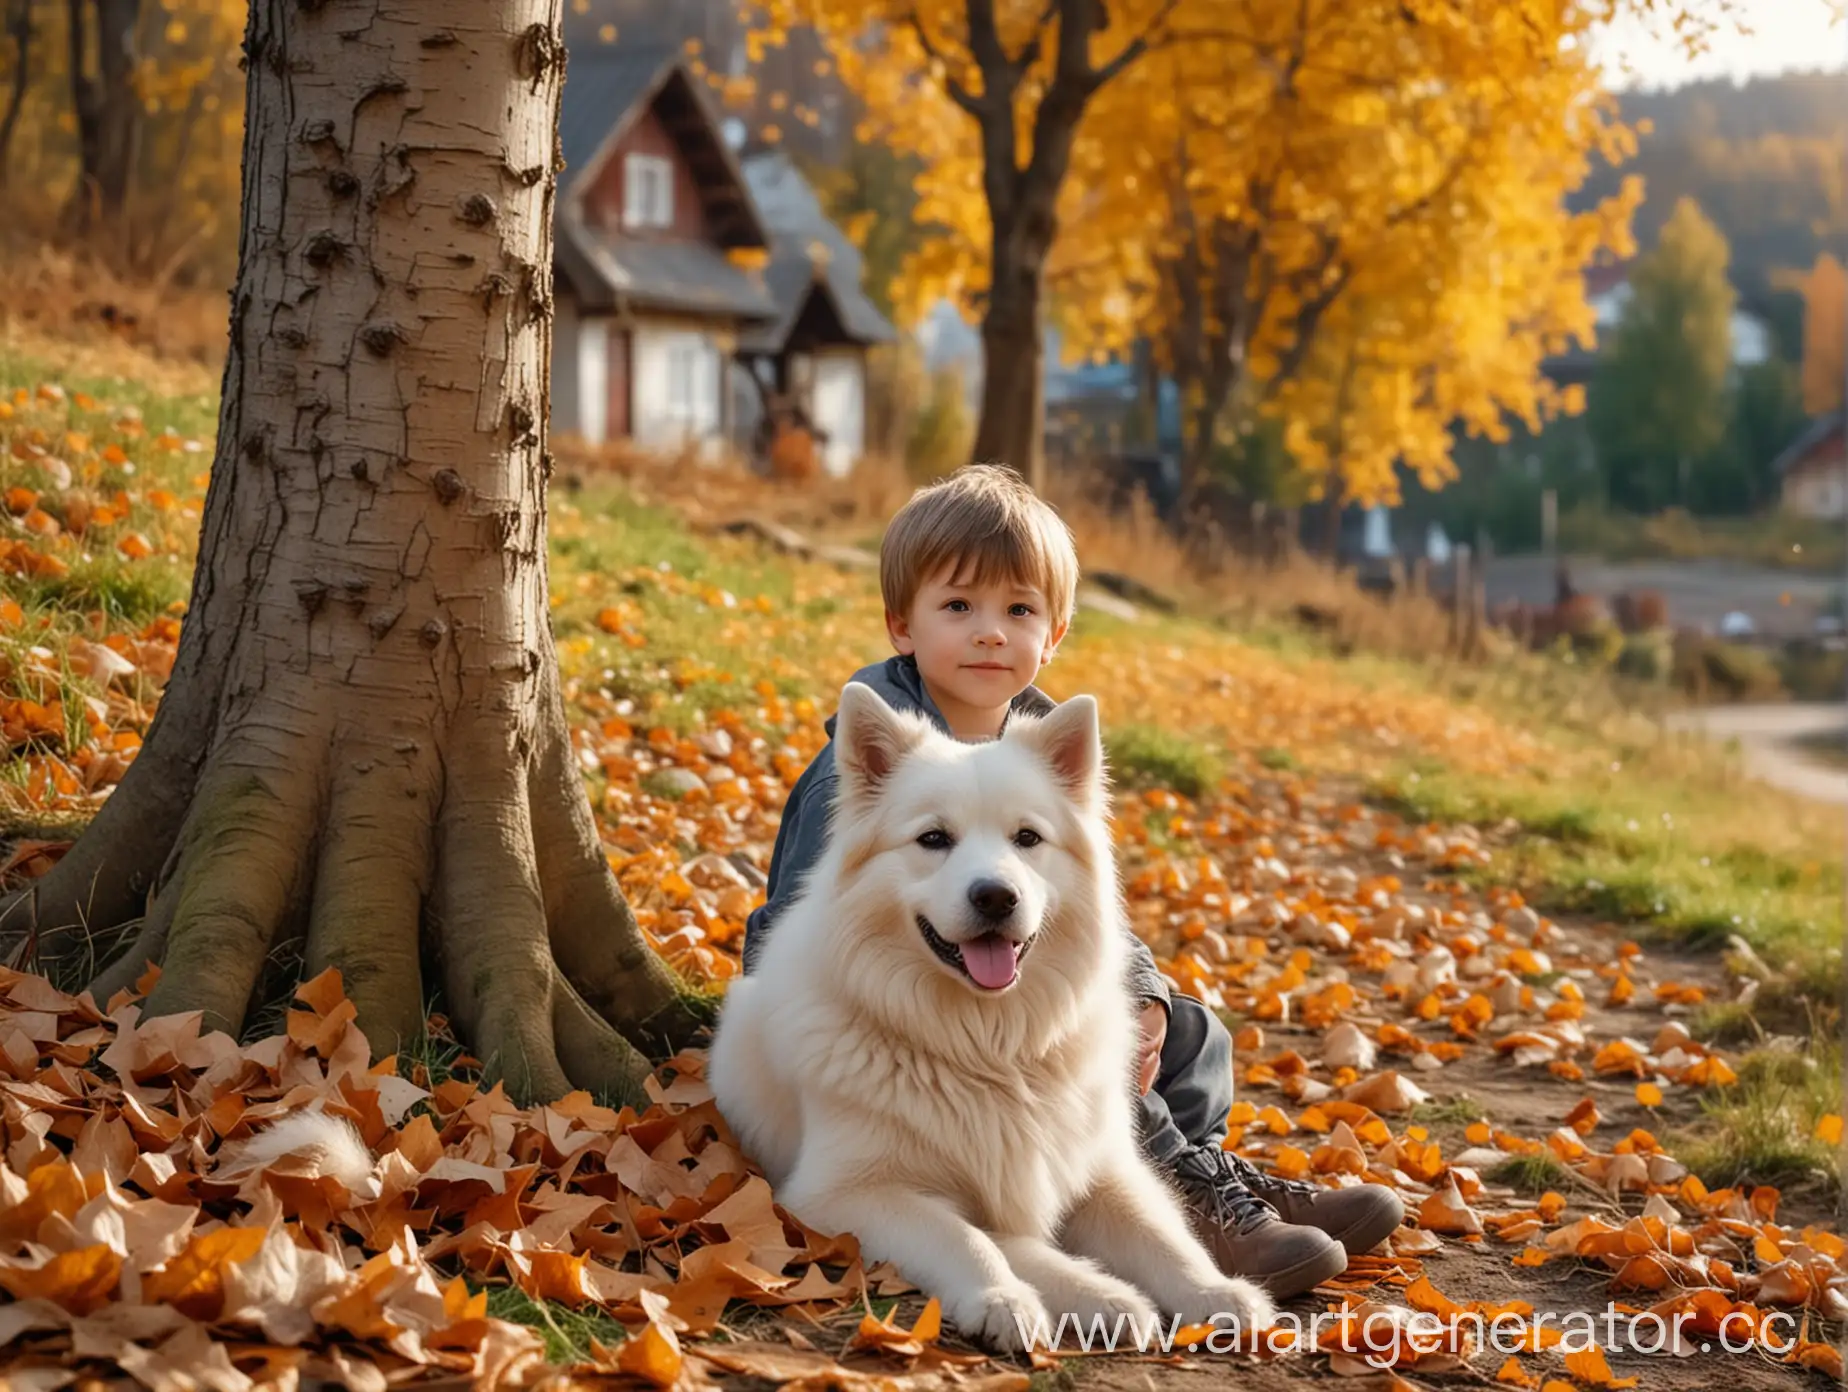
[1533, 1174]
[685, 595]
[1761, 1129]
[1726, 1023]
[1142, 755]
[125, 594]
[1447, 1111]
[1774, 538]
[1660, 841]
[567, 1333]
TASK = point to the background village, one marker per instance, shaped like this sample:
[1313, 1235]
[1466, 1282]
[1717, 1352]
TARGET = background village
[743, 272]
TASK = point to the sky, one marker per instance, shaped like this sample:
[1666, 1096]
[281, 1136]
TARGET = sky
[1786, 34]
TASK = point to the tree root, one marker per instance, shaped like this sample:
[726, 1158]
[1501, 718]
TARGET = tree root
[630, 986]
[381, 851]
[370, 885]
[501, 979]
[241, 872]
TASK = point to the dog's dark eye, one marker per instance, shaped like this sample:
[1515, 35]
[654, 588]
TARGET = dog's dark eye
[936, 839]
[1027, 838]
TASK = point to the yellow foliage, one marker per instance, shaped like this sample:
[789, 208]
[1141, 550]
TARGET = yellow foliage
[188, 79]
[1371, 222]
[1825, 329]
[1381, 184]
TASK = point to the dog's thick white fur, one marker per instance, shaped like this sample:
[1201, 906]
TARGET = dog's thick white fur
[979, 1136]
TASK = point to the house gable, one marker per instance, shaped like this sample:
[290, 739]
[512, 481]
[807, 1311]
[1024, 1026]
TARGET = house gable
[1824, 457]
[1819, 448]
[667, 118]
[607, 195]
[815, 271]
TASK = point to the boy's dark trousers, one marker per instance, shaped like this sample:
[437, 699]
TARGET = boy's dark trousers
[1192, 1097]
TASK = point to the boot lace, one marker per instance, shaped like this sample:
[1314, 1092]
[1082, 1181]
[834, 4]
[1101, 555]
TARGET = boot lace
[1211, 1176]
[1252, 1176]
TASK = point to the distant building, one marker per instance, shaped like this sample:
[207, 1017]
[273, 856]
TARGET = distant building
[816, 346]
[1608, 291]
[690, 285]
[1813, 471]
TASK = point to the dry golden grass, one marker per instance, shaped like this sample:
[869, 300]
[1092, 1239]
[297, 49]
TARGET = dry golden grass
[1130, 542]
[69, 309]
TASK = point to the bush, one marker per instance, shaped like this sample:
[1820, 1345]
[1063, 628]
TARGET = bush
[1646, 657]
[1813, 673]
[943, 431]
[1730, 670]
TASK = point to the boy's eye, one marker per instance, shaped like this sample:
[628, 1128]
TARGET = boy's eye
[957, 606]
[936, 839]
[1027, 838]
[1021, 611]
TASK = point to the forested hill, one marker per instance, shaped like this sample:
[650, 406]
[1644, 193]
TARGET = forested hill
[1764, 159]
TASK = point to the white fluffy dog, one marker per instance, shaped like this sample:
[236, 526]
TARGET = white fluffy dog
[936, 1051]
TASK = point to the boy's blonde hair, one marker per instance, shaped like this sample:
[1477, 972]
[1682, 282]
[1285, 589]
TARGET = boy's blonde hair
[985, 522]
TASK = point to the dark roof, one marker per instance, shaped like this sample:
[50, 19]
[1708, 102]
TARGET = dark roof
[1818, 430]
[609, 86]
[606, 87]
[1607, 276]
[606, 269]
[809, 255]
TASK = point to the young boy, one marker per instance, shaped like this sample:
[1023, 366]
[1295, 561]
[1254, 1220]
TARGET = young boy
[978, 576]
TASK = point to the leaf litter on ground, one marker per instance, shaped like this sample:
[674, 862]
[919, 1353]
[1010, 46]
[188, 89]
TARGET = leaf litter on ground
[1361, 970]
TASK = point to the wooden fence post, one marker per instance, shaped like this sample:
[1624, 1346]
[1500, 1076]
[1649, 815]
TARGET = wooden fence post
[1459, 596]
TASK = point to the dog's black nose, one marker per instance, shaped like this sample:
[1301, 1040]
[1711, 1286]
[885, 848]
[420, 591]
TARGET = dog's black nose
[993, 899]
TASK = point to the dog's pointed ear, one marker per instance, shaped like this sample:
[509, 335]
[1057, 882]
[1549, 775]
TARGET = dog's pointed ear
[1070, 741]
[870, 738]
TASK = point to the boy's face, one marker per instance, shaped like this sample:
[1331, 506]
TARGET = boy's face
[979, 646]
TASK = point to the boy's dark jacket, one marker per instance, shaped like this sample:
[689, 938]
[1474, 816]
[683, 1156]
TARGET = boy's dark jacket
[803, 834]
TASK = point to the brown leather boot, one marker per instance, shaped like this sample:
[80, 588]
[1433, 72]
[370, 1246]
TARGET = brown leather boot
[1359, 1217]
[1245, 1235]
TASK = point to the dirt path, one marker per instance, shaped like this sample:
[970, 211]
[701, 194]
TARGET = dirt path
[1768, 736]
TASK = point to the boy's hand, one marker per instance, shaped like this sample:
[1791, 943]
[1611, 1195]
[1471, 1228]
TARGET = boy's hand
[1154, 1026]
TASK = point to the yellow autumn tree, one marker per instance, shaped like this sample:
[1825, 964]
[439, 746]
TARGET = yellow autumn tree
[1825, 329]
[1037, 156]
[1364, 236]
[128, 121]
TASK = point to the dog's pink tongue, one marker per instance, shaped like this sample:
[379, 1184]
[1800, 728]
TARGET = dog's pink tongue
[990, 961]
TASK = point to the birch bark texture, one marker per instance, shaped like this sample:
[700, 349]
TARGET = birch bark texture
[363, 749]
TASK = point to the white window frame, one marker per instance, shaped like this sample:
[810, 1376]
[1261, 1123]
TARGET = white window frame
[647, 191]
[683, 381]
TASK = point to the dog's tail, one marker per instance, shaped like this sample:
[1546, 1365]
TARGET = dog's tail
[329, 1143]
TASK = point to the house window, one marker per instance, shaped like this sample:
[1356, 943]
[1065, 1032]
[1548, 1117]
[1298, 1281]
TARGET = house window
[647, 192]
[689, 382]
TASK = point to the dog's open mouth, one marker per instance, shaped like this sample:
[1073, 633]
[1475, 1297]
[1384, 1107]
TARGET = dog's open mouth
[990, 961]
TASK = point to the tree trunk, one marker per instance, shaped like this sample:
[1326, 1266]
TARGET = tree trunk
[107, 106]
[363, 746]
[19, 29]
[1012, 430]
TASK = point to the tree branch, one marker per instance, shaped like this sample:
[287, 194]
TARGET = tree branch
[1135, 48]
[1309, 314]
[985, 38]
[957, 93]
[19, 26]
[1030, 54]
